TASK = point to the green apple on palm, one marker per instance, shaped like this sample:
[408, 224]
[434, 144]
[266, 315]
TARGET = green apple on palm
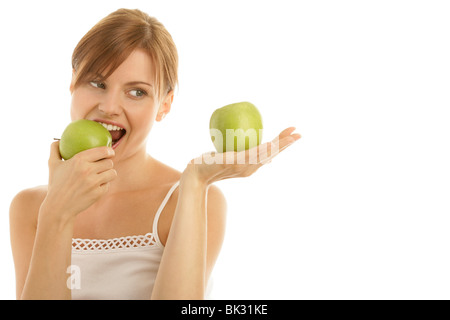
[236, 127]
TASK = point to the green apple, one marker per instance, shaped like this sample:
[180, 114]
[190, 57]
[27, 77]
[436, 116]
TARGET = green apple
[236, 127]
[81, 135]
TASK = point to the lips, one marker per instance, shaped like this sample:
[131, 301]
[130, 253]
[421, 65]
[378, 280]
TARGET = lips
[116, 130]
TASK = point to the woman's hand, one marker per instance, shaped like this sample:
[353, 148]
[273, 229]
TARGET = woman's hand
[75, 184]
[212, 167]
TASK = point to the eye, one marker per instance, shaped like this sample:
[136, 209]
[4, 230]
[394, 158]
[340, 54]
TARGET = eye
[137, 93]
[97, 84]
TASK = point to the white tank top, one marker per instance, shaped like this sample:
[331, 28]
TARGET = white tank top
[120, 268]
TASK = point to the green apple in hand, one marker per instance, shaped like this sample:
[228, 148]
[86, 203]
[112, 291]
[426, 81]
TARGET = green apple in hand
[236, 127]
[81, 135]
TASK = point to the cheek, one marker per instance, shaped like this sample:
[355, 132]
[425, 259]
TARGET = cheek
[143, 121]
[78, 106]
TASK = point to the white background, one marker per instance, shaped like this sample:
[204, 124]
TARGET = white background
[357, 209]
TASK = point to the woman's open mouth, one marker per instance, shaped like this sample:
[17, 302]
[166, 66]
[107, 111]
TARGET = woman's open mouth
[117, 132]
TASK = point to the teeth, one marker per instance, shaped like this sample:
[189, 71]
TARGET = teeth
[110, 127]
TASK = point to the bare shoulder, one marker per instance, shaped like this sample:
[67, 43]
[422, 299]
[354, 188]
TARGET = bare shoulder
[25, 205]
[167, 174]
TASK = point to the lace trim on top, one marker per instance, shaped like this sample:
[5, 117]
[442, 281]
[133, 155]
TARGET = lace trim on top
[128, 242]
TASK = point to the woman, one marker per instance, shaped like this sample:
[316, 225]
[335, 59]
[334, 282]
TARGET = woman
[115, 223]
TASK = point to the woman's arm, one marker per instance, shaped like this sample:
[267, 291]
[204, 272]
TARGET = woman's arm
[196, 233]
[194, 240]
[42, 226]
[50, 258]
[23, 214]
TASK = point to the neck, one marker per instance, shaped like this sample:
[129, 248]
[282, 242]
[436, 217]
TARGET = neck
[133, 172]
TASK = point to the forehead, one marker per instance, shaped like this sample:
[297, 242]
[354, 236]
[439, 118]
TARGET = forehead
[138, 66]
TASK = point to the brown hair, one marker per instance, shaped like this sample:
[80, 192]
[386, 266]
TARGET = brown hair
[111, 41]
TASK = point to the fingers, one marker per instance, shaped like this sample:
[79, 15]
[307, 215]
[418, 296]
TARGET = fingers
[265, 152]
[98, 161]
[103, 165]
[90, 155]
[92, 161]
[54, 153]
[271, 149]
[288, 133]
[95, 154]
[106, 176]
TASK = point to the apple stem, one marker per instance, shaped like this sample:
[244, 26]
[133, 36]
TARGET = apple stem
[56, 139]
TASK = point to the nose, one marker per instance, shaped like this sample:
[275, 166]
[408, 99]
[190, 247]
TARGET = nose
[110, 103]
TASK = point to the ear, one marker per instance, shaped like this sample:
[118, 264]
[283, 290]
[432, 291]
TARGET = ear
[165, 106]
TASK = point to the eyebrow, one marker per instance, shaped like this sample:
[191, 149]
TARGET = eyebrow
[133, 83]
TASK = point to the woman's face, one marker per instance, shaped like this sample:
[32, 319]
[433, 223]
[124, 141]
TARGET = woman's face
[125, 102]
